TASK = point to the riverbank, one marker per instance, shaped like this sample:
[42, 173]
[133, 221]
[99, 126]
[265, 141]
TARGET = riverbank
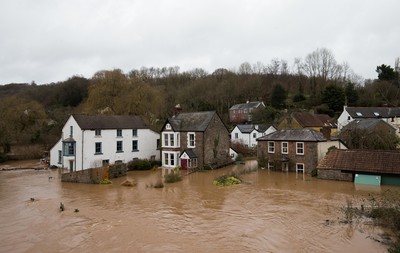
[21, 165]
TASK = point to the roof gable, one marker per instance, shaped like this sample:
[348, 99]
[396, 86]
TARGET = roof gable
[248, 105]
[368, 123]
[87, 122]
[192, 121]
[307, 119]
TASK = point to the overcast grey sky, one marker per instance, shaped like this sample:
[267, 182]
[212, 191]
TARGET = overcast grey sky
[51, 40]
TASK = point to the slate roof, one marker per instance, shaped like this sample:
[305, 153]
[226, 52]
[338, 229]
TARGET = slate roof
[248, 128]
[191, 121]
[247, 105]
[372, 161]
[190, 153]
[307, 119]
[373, 112]
[368, 123]
[294, 135]
[87, 122]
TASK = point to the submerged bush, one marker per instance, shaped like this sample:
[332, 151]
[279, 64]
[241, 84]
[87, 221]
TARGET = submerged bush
[226, 180]
[174, 176]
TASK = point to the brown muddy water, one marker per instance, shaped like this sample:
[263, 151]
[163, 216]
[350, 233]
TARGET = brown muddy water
[270, 212]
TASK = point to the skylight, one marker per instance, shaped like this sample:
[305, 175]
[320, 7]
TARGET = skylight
[359, 114]
[376, 114]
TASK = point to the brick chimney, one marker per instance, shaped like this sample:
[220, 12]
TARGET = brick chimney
[326, 132]
[177, 110]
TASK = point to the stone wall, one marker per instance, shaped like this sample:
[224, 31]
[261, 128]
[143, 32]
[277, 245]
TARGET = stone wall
[335, 175]
[95, 175]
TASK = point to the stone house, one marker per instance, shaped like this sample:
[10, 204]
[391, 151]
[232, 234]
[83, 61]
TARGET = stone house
[242, 113]
[297, 150]
[89, 141]
[195, 140]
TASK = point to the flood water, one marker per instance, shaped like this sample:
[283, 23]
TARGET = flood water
[270, 212]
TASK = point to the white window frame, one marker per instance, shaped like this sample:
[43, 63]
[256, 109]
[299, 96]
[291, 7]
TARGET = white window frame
[270, 165]
[271, 147]
[170, 159]
[119, 132]
[97, 132]
[170, 140]
[298, 148]
[134, 132]
[302, 169]
[191, 143]
[283, 147]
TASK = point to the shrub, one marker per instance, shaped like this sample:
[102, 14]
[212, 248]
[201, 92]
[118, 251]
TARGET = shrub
[173, 176]
[141, 164]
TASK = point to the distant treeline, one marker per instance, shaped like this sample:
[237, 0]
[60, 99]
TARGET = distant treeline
[32, 113]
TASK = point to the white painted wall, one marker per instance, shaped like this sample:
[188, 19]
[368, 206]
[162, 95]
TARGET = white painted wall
[85, 156]
[344, 119]
[249, 139]
[325, 145]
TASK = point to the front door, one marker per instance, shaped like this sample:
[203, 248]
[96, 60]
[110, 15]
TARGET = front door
[184, 164]
[285, 166]
[71, 166]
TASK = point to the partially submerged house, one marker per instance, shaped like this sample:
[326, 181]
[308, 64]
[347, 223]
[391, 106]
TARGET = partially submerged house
[247, 134]
[89, 141]
[373, 167]
[297, 150]
[195, 140]
[243, 113]
[389, 114]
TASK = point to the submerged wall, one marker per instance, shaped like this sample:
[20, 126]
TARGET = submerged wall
[335, 175]
[95, 175]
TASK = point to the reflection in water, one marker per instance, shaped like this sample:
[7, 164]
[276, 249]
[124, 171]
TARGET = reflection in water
[269, 212]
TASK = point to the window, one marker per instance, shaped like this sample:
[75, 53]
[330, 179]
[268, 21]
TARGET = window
[170, 159]
[254, 135]
[69, 148]
[119, 146]
[97, 132]
[285, 148]
[97, 147]
[359, 114]
[135, 145]
[119, 132]
[270, 165]
[134, 132]
[236, 135]
[271, 147]
[71, 131]
[300, 148]
[191, 140]
[170, 140]
[299, 167]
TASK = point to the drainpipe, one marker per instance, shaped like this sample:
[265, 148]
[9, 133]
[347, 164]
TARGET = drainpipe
[83, 137]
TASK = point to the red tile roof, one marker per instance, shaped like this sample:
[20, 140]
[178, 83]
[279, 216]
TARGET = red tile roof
[373, 161]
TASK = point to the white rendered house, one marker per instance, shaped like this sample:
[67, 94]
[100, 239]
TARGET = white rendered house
[91, 141]
[248, 134]
[390, 115]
